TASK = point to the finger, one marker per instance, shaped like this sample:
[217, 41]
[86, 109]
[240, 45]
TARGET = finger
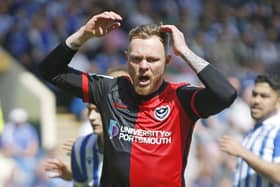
[49, 164]
[110, 27]
[67, 146]
[165, 29]
[112, 15]
[55, 163]
[51, 167]
[116, 16]
[69, 142]
[53, 174]
[108, 15]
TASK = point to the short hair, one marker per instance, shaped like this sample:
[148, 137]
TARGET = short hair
[146, 31]
[117, 71]
[272, 79]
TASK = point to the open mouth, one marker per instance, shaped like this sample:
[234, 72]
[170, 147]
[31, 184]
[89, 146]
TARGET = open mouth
[144, 80]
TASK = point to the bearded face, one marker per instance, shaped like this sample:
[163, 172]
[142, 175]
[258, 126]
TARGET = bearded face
[146, 64]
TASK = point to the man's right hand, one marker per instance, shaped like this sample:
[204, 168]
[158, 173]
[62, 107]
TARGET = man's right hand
[99, 25]
[102, 24]
[58, 169]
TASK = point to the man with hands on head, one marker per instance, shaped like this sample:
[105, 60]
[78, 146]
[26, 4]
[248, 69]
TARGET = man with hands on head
[259, 153]
[147, 121]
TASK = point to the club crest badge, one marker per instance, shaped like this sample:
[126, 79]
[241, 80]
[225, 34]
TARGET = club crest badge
[162, 112]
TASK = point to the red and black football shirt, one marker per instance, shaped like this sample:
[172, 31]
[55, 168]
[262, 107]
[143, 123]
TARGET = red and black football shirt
[147, 138]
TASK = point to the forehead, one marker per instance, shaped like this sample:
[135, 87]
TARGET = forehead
[151, 45]
[263, 87]
[91, 107]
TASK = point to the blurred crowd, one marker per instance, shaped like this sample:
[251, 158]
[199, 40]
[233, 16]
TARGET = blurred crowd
[241, 37]
[21, 157]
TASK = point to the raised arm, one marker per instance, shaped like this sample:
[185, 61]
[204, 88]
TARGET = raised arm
[99, 25]
[218, 93]
[54, 68]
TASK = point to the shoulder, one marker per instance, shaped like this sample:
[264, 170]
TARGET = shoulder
[84, 141]
[179, 86]
[273, 120]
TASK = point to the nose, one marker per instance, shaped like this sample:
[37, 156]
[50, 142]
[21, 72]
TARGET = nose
[92, 115]
[256, 99]
[144, 64]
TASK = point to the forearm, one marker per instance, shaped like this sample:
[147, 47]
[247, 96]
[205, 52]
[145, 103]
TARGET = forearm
[264, 168]
[218, 94]
[195, 62]
[217, 84]
[56, 61]
[214, 81]
[76, 40]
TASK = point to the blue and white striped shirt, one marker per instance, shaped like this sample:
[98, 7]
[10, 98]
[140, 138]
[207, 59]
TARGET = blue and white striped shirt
[86, 161]
[264, 141]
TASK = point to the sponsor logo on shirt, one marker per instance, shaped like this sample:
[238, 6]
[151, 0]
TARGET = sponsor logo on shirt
[129, 134]
[162, 112]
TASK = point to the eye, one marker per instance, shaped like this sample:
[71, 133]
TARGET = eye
[135, 59]
[265, 96]
[152, 59]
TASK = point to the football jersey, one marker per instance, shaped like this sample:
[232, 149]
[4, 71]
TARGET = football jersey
[264, 141]
[146, 139]
[86, 161]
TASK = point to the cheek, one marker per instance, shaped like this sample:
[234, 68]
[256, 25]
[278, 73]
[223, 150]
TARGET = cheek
[131, 68]
[269, 107]
[158, 69]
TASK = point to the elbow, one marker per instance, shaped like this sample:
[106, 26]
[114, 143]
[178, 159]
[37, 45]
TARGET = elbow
[231, 96]
[44, 72]
[228, 97]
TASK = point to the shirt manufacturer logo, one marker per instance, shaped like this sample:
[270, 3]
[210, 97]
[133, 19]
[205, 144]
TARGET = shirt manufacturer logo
[162, 112]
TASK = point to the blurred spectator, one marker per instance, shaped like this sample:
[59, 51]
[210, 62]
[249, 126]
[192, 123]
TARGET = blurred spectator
[112, 53]
[20, 142]
[1, 122]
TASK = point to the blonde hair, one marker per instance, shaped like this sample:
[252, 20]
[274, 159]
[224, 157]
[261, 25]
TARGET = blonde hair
[146, 31]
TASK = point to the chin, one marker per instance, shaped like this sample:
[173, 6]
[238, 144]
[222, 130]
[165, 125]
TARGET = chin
[142, 91]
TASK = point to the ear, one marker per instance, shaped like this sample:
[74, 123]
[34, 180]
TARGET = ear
[126, 54]
[168, 59]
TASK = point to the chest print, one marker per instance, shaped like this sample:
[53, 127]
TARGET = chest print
[162, 112]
